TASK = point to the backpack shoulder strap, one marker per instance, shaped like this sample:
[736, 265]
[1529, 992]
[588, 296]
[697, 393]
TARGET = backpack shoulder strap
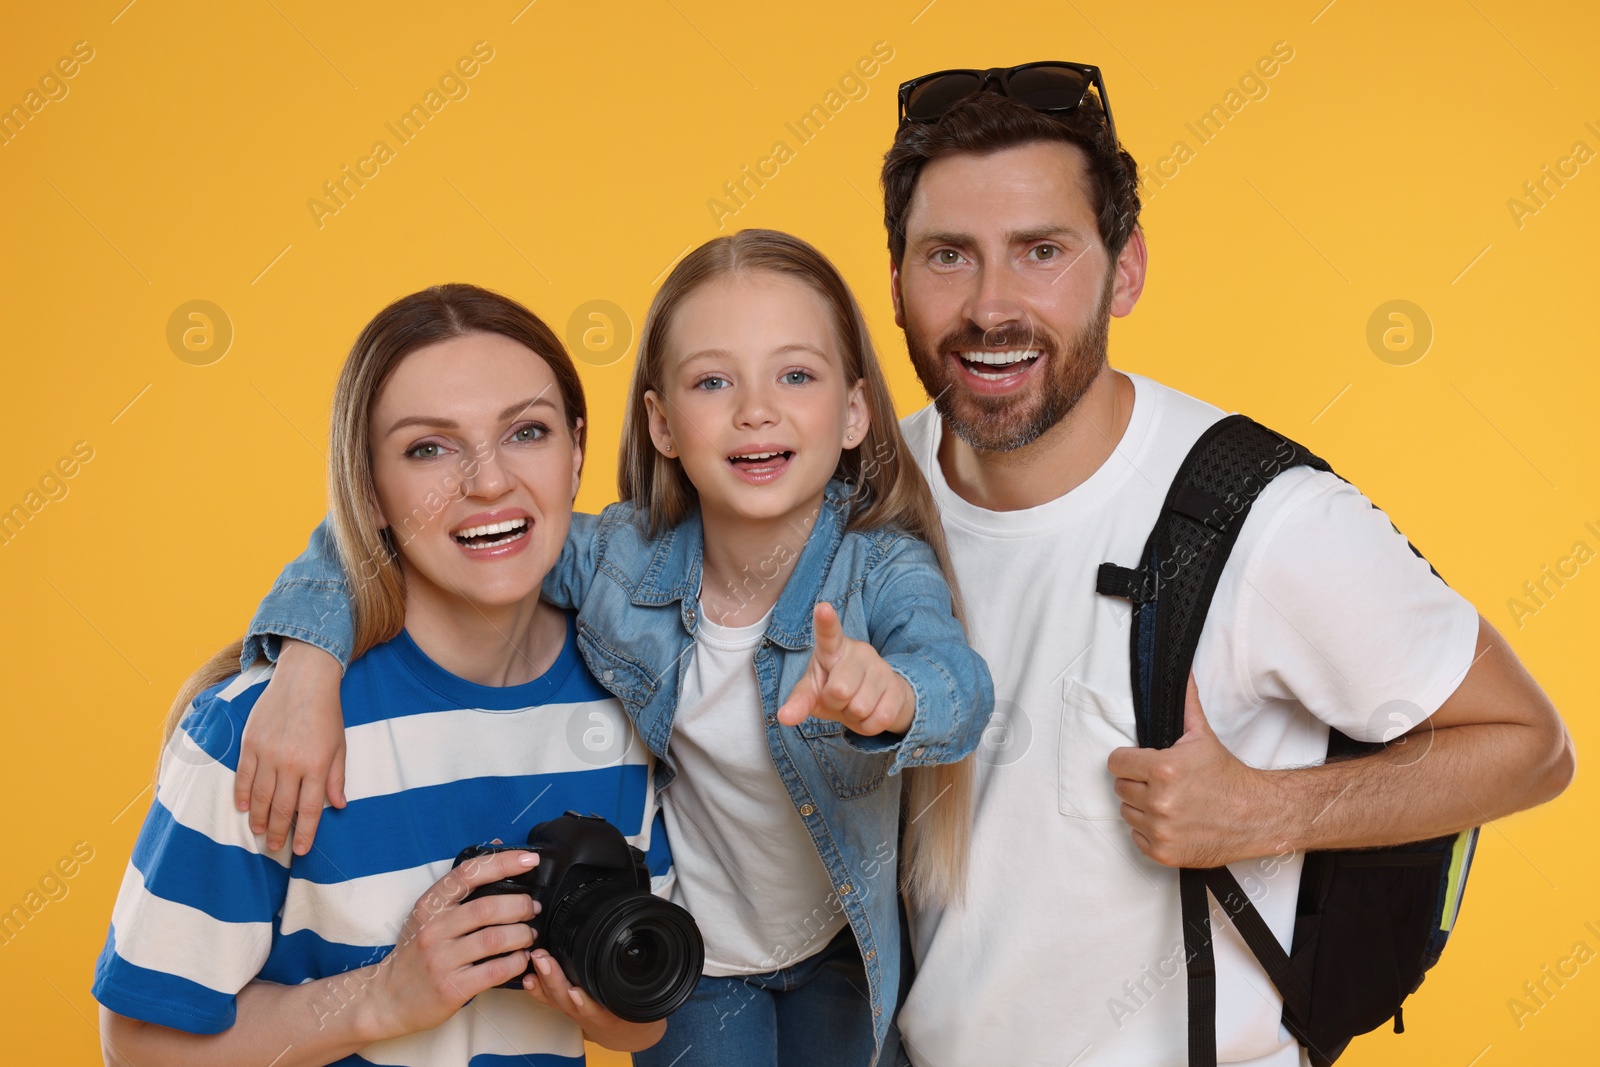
[1171, 589]
[1172, 585]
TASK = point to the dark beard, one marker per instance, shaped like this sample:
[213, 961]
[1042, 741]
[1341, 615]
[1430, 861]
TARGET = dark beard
[1007, 423]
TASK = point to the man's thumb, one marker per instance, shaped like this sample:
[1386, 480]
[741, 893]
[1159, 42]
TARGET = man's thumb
[1194, 716]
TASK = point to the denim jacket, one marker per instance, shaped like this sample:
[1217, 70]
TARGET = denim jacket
[637, 601]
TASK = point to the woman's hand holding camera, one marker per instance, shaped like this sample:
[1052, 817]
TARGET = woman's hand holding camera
[441, 960]
[549, 986]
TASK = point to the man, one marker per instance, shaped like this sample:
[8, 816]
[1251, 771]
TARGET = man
[1014, 238]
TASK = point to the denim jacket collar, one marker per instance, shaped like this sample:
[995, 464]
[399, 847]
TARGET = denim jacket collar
[674, 570]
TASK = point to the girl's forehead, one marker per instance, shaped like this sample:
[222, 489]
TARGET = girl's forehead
[754, 313]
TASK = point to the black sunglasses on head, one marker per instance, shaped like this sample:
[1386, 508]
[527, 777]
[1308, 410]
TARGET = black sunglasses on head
[1051, 87]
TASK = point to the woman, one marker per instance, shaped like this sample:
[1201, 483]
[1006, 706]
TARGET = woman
[450, 506]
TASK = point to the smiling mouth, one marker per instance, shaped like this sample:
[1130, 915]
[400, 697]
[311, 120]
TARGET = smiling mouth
[760, 461]
[996, 366]
[494, 534]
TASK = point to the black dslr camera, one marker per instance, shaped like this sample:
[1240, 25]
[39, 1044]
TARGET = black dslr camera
[638, 955]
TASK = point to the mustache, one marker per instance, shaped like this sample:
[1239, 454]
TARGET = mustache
[1011, 334]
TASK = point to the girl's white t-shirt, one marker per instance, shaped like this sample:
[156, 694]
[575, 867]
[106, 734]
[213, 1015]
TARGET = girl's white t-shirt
[1068, 947]
[746, 867]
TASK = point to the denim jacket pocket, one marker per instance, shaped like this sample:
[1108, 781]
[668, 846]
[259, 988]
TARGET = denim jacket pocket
[622, 675]
[850, 771]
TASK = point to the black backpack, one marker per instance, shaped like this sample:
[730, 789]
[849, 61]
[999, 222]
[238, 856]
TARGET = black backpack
[1369, 922]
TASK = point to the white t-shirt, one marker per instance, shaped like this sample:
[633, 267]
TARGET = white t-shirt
[1068, 948]
[746, 868]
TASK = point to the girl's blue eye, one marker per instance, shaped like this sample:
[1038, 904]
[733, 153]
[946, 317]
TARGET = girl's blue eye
[530, 433]
[796, 377]
[422, 451]
[711, 384]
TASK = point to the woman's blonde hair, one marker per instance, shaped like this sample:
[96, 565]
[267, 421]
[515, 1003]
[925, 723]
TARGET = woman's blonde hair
[887, 490]
[376, 586]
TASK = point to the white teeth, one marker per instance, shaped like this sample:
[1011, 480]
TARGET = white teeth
[506, 540]
[493, 528]
[757, 455]
[1001, 359]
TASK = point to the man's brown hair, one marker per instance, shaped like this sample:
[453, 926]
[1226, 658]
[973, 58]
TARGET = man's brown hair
[988, 122]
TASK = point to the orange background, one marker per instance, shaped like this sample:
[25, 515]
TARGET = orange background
[1380, 163]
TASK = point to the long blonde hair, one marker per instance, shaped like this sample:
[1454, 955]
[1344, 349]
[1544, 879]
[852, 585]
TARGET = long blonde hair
[888, 490]
[376, 587]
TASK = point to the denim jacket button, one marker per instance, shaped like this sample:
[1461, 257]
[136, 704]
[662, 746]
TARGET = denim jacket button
[807, 809]
[917, 753]
[607, 675]
[844, 890]
[869, 954]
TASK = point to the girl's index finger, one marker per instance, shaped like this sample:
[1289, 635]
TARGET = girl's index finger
[829, 635]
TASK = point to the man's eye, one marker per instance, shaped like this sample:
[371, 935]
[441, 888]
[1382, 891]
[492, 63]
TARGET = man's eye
[797, 377]
[947, 257]
[1046, 252]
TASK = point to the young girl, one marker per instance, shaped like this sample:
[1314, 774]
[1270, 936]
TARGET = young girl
[770, 603]
[363, 951]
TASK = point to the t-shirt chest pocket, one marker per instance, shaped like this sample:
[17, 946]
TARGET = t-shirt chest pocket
[1092, 725]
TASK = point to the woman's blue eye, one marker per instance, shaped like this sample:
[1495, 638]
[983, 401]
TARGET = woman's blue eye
[796, 377]
[531, 432]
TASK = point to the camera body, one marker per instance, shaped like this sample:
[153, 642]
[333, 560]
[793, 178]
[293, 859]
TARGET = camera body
[639, 956]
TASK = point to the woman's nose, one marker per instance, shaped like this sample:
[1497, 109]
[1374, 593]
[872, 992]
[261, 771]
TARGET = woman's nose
[486, 475]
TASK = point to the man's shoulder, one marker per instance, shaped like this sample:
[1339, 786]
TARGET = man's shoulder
[1177, 418]
[1179, 421]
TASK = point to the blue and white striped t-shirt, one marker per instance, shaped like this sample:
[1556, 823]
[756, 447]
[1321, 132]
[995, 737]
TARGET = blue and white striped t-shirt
[433, 763]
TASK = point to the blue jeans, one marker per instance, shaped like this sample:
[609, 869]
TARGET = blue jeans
[815, 1012]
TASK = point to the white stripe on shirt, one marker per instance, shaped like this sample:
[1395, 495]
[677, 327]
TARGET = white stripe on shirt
[160, 935]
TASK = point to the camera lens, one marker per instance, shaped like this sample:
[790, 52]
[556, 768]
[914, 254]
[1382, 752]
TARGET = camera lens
[638, 955]
[639, 958]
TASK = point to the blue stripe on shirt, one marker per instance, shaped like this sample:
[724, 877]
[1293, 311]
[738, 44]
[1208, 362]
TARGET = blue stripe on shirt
[185, 866]
[304, 956]
[375, 835]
